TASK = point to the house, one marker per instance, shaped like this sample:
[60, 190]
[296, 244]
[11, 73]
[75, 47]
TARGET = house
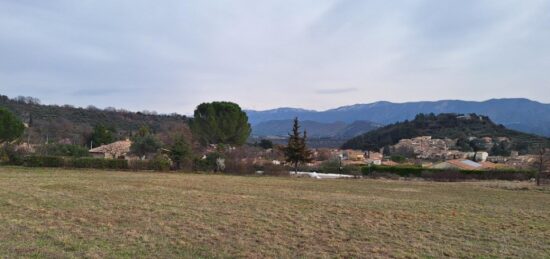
[481, 156]
[354, 155]
[115, 150]
[25, 147]
[374, 158]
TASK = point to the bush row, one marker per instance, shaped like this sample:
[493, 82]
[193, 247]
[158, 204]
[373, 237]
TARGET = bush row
[446, 174]
[157, 164]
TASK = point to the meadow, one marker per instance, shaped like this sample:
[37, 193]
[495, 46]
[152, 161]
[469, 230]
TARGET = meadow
[61, 213]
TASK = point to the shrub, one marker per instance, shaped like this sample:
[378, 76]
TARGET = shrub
[275, 170]
[160, 163]
[63, 150]
[398, 158]
[403, 171]
[207, 164]
[234, 166]
[43, 161]
[9, 155]
[331, 166]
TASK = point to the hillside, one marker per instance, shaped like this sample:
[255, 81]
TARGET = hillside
[338, 130]
[53, 123]
[519, 114]
[445, 126]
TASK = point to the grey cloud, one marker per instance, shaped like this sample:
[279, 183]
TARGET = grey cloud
[173, 55]
[336, 90]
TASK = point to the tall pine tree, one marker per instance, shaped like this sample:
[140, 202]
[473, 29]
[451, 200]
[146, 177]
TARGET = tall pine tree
[296, 151]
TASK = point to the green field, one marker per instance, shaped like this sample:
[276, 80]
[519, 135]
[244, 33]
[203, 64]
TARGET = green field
[59, 213]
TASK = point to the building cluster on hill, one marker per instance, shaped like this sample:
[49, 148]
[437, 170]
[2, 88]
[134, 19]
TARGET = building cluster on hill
[433, 153]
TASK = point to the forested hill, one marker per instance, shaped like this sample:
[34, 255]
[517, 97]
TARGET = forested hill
[54, 123]
[447, 125]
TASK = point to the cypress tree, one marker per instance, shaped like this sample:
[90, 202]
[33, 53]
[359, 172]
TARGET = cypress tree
[296, 151]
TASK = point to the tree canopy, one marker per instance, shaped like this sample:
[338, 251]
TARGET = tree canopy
[220, 123]
[11, 127]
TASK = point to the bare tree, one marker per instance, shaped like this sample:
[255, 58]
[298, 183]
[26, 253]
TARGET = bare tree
[542, 163]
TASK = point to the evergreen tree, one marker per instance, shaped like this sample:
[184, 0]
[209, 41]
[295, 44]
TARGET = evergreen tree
[102, 135]
[296, 151]
[180, 152]
[11, 127]
[265, 144]
[143, 131]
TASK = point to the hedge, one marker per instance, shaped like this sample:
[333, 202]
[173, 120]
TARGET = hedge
[43, 161]
[84, 162]
[159, 164]
[99, 163]
[447, 174]
[156, 164]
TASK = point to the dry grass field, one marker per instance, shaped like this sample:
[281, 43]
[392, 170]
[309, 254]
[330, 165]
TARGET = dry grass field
[56, 213]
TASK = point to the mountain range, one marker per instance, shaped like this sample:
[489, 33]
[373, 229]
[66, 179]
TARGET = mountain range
[514, 113]
[336, 130]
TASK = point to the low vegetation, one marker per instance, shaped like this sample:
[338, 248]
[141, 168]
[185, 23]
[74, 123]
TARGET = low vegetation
[60, 213]
[448, 174]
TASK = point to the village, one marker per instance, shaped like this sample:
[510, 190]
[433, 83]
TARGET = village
[423, 151]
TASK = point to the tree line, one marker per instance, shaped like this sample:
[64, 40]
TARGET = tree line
[219, 124]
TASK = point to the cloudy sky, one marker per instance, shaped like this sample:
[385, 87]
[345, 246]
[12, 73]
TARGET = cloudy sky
[171, 55]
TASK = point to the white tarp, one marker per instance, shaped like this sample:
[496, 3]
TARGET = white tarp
[322, 176]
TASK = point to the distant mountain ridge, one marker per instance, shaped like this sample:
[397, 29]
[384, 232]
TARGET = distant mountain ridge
[336, 130]
[514, 113]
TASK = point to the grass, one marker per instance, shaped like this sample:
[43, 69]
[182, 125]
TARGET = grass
[59, 213]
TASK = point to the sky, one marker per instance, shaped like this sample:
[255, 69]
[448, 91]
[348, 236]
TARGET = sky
[171, 55]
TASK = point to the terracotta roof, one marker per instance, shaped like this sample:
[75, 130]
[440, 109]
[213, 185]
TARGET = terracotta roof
[119, 147]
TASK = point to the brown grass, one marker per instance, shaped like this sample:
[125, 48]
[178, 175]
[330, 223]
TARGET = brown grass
[67, 213]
